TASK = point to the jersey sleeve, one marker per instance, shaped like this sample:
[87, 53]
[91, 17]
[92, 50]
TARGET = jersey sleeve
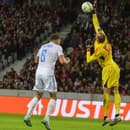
[94, 56]
[96, 24]
[60, 51]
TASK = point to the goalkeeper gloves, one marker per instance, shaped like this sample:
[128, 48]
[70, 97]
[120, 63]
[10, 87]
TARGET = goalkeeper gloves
[88, 45]
[94, 7]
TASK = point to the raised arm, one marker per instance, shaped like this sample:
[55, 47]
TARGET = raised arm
[95, 20]
[96, 23]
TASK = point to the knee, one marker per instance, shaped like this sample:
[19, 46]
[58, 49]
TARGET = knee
[106, 97]
[39, 95]
[116, 90]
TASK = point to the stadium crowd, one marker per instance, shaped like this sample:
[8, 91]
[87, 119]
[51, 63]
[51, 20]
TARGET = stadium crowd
[24, 26]
[79, 76]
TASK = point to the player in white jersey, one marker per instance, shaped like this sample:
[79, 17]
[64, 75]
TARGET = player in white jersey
[45, 78]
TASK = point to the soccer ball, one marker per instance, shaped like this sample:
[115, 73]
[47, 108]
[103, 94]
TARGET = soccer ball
[87, 7]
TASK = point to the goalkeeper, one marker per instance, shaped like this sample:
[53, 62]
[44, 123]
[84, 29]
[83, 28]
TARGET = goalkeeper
[110, 70]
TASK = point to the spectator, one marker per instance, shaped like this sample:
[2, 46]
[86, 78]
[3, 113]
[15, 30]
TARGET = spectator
[23, 27]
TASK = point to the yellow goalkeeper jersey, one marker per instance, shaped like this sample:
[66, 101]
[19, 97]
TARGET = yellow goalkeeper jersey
[102, 51]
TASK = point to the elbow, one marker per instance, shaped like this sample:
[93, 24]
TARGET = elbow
[61, 62]
[61, 59]
[88, 61]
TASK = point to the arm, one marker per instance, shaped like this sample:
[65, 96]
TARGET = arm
[96, 23]
[90, 58]
[36, 60]
[95, 20]
[63, 59]
[94, 56]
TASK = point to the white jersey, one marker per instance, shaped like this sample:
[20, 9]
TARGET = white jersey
[48, 55]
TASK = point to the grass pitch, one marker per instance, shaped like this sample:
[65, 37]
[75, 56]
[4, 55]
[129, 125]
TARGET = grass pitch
[15, 122]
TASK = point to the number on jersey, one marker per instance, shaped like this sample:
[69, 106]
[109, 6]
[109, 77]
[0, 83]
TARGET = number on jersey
[43, 56]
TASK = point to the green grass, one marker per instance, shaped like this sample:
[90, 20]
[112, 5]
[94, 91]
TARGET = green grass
[15, 122]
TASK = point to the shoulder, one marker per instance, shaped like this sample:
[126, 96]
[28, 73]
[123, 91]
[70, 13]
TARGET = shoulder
[43, 45]
[107, 44]
[58, 46]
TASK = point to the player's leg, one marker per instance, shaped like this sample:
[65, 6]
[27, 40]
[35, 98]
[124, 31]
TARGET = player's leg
[106, 105]
[114, 82]
[38, 88]
[117, 100]
[33, 103]
[107, 90]
[50, 108]
[31, 106]
[51, 87]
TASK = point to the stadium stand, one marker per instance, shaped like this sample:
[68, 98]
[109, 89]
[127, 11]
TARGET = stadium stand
[23, 27]
[79, 76]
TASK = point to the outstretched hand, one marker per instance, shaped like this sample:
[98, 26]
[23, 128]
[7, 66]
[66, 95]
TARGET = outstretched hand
[94, 2]
[88, 44]
[94, 6]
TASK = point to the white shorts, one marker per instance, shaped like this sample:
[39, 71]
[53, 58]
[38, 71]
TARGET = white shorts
[45, 83]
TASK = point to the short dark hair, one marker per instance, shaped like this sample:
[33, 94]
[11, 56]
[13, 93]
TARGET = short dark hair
[101, 38]
[54, 37]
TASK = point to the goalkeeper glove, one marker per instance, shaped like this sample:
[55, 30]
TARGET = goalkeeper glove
[94, 7]
[88, 45]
